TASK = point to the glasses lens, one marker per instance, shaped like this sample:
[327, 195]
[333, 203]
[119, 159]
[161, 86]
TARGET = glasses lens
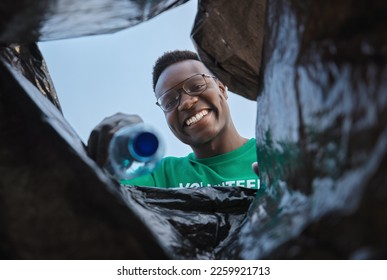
[192, 86]
[169, 100]
[195, 85]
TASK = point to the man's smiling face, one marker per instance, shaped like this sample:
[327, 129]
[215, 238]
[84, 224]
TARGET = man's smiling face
[199, 119]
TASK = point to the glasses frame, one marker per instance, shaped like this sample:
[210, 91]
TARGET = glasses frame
[183, 89]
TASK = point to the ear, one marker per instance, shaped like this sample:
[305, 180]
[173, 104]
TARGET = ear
[223, 89]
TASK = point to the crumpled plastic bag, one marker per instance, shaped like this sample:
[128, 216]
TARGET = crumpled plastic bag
[191, 223]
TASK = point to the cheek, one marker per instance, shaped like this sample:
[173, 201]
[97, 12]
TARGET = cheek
[222, 98]
[171, 120]
[174, 127]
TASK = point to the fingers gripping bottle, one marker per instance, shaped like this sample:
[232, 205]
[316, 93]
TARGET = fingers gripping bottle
[134, 150]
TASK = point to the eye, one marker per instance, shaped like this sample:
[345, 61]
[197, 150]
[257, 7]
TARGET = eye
[197, 87]
[170, 102]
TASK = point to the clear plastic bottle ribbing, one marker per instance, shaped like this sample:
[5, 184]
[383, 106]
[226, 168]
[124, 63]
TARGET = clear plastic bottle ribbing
[134, 150]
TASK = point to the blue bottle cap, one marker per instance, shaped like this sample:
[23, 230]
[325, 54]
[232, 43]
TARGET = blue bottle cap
[145, 144]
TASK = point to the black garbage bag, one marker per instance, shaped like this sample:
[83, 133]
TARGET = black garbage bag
[31, 21]
[192, 223]
[229, 36]
[29, 62]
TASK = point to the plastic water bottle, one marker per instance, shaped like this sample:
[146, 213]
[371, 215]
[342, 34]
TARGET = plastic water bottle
[134, 150]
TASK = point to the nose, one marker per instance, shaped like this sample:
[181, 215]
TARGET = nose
[187, 101]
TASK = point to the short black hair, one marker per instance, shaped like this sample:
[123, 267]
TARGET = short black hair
[169, 58]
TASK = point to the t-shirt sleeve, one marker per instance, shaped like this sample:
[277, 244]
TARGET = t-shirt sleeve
[152, 179]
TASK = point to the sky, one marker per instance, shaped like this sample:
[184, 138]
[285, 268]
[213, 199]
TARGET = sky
[100, 75]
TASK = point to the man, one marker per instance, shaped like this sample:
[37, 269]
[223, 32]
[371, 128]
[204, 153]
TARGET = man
[195, 107]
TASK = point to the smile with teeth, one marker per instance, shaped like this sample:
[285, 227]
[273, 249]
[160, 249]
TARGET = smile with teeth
[196, 118]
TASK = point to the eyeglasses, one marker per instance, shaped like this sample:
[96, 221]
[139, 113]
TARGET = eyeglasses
[192, 86]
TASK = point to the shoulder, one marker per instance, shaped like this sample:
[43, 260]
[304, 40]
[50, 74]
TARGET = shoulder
[173, 161]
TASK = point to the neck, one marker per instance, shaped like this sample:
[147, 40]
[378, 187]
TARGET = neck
[220, 145]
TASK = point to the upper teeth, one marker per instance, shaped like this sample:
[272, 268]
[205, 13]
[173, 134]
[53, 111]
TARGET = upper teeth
[197, 117]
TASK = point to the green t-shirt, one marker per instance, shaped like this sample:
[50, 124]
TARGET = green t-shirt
[229, 170]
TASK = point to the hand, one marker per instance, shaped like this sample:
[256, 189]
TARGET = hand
[255, 168]
[99, 139]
